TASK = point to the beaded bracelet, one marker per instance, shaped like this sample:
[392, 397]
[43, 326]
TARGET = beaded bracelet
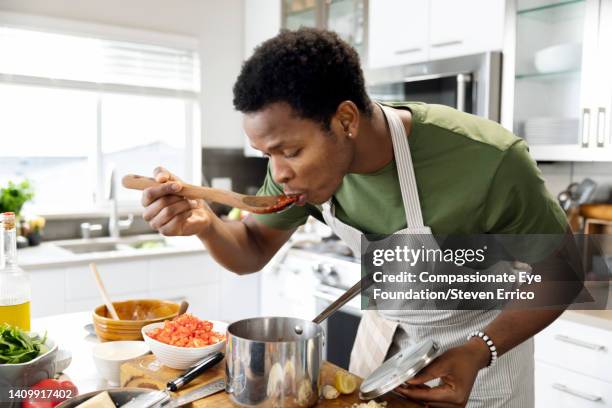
[489, 343]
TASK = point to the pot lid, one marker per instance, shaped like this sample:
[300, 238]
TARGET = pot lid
[403, 366]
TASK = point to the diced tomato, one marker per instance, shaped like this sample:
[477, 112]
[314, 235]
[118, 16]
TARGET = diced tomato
[187, 331]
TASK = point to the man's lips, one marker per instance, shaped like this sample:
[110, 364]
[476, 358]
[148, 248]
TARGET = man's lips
[301, 197]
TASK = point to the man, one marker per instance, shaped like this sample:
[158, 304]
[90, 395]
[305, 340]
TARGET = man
[367, 168]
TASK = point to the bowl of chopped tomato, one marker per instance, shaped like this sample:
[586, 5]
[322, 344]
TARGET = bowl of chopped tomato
[183, 341]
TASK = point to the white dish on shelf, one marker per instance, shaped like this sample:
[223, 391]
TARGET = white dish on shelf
[558, 58]
[552, 130]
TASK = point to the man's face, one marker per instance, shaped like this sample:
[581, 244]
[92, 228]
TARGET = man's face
[305, 159]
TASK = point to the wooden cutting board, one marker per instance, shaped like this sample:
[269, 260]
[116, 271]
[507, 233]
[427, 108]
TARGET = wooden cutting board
[147, 372]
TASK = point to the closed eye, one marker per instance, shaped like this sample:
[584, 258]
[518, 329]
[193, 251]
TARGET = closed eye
[292, 154]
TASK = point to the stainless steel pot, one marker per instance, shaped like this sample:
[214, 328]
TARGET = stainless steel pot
[269, 365]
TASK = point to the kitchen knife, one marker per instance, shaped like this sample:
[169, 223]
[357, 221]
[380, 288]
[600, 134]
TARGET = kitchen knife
[194, 371]
[156, 398]
[203, 391]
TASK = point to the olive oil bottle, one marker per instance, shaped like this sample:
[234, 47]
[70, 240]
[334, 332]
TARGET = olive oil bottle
[14, 282]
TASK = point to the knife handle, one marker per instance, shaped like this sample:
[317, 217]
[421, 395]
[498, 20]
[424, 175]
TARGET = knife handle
[194, 371]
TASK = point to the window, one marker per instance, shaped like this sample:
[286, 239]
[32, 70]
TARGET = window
[73, 107]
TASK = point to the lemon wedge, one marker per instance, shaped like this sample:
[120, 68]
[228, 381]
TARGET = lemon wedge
[345, 382]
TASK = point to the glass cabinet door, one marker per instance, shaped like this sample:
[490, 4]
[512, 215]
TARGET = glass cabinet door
[551, 83]
[347, 18]
[300, 13]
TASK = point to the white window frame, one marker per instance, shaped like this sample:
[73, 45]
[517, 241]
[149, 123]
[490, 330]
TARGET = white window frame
[193, 137]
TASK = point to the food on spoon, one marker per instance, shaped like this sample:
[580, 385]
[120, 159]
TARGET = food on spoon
[101, 400]
[17, 347]
[282, 202]
[186, 331]
[345, 382]
[329, 392]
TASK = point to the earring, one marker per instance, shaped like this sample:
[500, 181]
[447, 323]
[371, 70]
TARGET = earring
[350, 134]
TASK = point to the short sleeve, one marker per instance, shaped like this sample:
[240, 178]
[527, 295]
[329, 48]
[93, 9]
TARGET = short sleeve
[518, 201]
[285, 220]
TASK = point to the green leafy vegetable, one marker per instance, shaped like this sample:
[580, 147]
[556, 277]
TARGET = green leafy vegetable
[17, 347]
[14, 196]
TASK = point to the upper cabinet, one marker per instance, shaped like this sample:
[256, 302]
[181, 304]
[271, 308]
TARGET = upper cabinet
[403, 32]
[465, 27]
[345, 17]
[398, 32]
[559, 68]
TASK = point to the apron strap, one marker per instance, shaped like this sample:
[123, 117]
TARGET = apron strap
[405, 169]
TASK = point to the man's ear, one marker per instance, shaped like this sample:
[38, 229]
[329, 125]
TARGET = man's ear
[347, 117]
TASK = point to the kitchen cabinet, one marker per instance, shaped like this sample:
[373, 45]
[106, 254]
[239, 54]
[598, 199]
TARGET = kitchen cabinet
[567, 389]
[48, 292]
[124, 277]
[465, 27]
[397, 32]
[557, 87]
[573, 365]
[210, 289]
[403, 32]
[345, 17]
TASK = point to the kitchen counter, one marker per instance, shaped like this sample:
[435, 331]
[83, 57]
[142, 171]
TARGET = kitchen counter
[601, 319]
[51, 254]
[68, 331]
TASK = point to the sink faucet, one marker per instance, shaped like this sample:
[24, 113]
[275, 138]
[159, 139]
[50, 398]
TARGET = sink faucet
[115, 225]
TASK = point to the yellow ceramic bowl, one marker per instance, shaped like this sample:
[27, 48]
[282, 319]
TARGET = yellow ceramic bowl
[133, 316]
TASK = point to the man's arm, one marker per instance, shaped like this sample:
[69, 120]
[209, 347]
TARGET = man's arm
[243, 246]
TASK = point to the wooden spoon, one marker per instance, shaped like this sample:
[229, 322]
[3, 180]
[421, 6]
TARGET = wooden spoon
[184, 305]
[105, 298]
[254, 204]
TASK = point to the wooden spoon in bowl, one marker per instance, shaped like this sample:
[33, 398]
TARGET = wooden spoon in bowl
[183, 306]
[254, 204]
[103, 293]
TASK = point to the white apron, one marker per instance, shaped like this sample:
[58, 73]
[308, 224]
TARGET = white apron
[508, 384]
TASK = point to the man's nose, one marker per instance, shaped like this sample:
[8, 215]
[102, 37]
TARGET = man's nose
[282, 173]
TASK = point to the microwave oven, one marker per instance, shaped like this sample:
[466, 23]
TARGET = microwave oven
[469, 83]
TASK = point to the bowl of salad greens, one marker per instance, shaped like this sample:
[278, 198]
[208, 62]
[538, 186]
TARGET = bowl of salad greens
[25, 357]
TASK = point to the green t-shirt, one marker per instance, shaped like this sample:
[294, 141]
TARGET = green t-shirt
[473, 176]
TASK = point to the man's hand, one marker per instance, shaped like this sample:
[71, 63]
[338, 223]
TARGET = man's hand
[457, 369]
[170, 213]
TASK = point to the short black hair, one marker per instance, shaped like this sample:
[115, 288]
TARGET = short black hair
[310, 69]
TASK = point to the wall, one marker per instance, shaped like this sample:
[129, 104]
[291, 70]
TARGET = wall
[217, 24]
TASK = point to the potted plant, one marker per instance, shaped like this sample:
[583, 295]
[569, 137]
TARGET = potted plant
[14, 196]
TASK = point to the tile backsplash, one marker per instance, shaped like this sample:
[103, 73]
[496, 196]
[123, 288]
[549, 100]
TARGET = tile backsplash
[246, 173]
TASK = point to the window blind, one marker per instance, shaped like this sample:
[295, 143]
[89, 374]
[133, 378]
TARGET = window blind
[37, 56]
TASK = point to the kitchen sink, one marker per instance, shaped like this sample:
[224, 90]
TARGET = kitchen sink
[86, 247]
[134, 243]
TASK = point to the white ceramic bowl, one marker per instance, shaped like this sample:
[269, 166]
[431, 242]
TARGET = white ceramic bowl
[558, 58]
[109, 357]
[182, 357]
